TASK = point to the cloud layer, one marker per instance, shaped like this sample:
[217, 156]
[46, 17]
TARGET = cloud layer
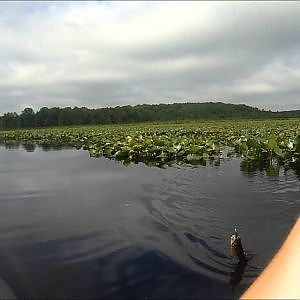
[98, 54]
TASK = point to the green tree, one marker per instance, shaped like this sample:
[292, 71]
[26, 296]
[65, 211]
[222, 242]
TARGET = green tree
[27, 118]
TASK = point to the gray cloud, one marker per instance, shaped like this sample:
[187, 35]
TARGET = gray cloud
[105, 54]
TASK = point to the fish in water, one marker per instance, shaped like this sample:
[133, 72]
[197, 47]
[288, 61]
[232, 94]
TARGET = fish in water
[236, 247]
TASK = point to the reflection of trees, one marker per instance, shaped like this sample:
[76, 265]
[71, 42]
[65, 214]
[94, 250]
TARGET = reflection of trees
[213, 162]
[272, 169]
[49, 147]
[12, 145]
[29, 147]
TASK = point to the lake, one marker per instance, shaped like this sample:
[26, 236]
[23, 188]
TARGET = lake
[79, 227]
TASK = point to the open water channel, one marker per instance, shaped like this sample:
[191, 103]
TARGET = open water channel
[72, 226]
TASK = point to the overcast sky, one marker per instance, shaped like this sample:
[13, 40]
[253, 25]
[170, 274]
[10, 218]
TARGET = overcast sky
[99, 54]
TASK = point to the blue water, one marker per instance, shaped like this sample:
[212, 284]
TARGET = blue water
[72, 226]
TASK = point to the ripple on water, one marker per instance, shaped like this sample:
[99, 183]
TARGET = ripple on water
[199, 211]
[77, 227]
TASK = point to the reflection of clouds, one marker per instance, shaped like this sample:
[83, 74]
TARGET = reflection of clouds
[64, 193]
[53, 180]
[52, 169]
[5, 291]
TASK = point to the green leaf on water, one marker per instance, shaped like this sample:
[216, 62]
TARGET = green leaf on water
[166, 143]
[205, 155]
[271, 144]
[193, 157]
[278, 151]
[297, 143]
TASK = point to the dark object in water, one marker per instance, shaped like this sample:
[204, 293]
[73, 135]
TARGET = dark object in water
[237, 275]
[236, 247]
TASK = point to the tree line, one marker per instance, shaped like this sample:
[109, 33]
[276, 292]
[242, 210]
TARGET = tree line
[55, 116]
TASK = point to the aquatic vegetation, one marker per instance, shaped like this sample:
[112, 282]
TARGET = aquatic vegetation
[275, 141]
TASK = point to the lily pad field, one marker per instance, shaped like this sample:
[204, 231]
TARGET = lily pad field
[268, 141]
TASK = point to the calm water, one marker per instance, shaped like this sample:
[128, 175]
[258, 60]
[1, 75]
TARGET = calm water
[76, 227]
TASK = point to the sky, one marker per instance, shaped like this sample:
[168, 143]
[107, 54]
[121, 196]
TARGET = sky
[100, 53]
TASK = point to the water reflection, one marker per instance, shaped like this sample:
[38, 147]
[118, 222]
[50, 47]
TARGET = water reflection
[79, 227]
[270, 168]
[5, 290]
[237, 275]
[12, 146]
[29, 147]
[52, 147]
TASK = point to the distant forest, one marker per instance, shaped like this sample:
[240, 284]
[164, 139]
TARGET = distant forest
[48, 117]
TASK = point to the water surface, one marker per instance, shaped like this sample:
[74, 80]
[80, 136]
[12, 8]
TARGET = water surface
[72, 226]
